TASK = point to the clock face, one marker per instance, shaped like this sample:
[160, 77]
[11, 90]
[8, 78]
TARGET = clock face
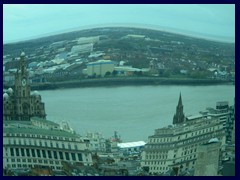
[24, 82]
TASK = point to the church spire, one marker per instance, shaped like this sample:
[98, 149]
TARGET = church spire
[179, 118]
[180, 100]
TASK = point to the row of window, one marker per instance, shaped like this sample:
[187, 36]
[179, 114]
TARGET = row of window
[40, 143]
[29, 166]
[198, 139]
[156, 157]
[155, 162]
[33, 161]
[159, 168]
[159, 140]
[45, 154]
[40, 136]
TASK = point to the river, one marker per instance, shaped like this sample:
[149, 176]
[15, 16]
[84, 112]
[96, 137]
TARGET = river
[133, 111]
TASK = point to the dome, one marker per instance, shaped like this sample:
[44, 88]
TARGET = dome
[22, 54]
[5, 96]
[35, 93]
[10, 91]
[213, 140]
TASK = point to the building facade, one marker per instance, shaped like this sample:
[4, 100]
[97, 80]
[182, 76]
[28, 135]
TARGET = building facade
[100, 68]
[29, 144]
[207, 163]
[174, 148]
[226, 115]
[18, 102]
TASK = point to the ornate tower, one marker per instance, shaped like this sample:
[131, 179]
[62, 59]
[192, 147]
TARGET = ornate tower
[179, 117]
[22, 89]
[19, 103]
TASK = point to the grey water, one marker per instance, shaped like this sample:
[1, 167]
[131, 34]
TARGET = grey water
[133, 111]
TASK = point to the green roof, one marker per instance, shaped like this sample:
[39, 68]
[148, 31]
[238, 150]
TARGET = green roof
[44, 121]
[39, 131]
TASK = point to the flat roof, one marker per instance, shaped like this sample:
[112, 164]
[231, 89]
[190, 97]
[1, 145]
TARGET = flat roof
[131, 144]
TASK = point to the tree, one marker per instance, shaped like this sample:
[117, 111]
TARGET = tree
[114, 73]
[107, 74]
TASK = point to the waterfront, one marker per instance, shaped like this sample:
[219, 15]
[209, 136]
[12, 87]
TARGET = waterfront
[133, 111]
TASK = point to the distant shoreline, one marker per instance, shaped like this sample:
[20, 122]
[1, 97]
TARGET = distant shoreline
[174, 31]
[127, 81]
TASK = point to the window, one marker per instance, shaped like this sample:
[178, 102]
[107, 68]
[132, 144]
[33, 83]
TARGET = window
[33, 152]
[61, 155]
[67, 156]
[49, 154]
[12, 151]
[28, 152]
[22, 152]
[17, 152]
[79, 156]
[73, 157]
[38, 153]
[44, 153]
[55, 155]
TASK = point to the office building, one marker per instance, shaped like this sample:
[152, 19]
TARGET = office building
[174, 148]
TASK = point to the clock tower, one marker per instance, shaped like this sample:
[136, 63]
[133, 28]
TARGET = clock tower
[22, 88]
[19, 103]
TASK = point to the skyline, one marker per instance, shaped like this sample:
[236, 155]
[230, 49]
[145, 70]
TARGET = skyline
[25, 21]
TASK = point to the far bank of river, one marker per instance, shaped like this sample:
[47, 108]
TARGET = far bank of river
[126, 81]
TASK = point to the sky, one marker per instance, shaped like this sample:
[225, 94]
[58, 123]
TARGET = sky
[27, 21]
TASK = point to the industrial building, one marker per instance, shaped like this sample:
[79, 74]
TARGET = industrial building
[100, 68]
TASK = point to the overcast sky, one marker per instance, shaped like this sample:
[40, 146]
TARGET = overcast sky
[24, 21]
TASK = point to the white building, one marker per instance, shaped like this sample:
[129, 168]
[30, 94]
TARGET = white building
[40, 142]
[100, 68]
[131, 147]
[175, 147]
[97, 142]
[84, 48]
[86, 40]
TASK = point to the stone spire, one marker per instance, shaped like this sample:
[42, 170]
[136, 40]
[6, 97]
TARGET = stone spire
[22, 63]
[179, 117]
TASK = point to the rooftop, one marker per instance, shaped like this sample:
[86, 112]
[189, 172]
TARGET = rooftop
[27, 127]
[44, 121]
[131, 144]
[39, 131]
